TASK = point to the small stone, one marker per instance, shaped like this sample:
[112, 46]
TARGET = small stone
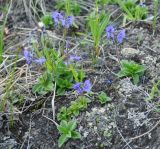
[94, 109]
[85, 134]
[102, 110]
[90, 124]
[129, 52]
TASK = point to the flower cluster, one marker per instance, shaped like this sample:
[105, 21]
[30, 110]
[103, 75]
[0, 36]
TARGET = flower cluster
[64, 21]
[81, 87]
[29, 58]
[110, 31]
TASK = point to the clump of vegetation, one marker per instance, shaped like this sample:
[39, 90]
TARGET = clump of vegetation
[131, 69]
[74, 109]
[47, 20]
[44, 85]
[54, 61]
[97, 24]
[155, 91]
[71, 7]
[132, 11]
[103, 98]
[67, 131]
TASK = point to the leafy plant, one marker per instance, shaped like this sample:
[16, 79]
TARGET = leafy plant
[47, 20]
[57, 72]
[67, 131]
[103, 98]
[44, 85]
[80, 104]
[155, 91]
[61, 74]
[74, 109]
[132, 11]
[97, 24]
[69, 6]
[79, 75]
[131, 69]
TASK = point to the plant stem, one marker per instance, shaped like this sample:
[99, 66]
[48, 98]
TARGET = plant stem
[2, 34]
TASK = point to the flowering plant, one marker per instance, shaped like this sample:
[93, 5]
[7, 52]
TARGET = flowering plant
[82, 87]
[62, 20]
[110, 32]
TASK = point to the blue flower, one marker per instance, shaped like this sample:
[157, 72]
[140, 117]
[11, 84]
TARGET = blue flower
[87, 86]
[40, 61]
[57, 17]
[110, 32]
[60, 19]
[83, 87]
[28, 56]
[121, 36]
[67, 22]
[78, 87]
[109, 81]
[74, 57]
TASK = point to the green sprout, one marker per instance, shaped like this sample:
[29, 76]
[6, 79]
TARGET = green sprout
[132, 11]
[98, 24]
[155, 91]
[44, 85]
[47, 20]
[103, 98]
[74, 109]
[67, 131]
[131, 69]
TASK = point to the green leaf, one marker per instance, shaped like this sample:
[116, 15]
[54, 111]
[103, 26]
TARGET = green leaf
[72, 125]
[76, 135]
[103, 98]
[62, 139]
[131, 69]
[135, 79]
[47, 20]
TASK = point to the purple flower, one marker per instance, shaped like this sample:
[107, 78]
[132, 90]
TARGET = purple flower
[78, 87]
[83, 87]
[74, 57]
[63, 21]
[43, 29]
[121, 36]
[57, 17]
[40, 61]
[87, 86]
[110, 31]
[68, 22]
[35, 30]
[28, 56]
